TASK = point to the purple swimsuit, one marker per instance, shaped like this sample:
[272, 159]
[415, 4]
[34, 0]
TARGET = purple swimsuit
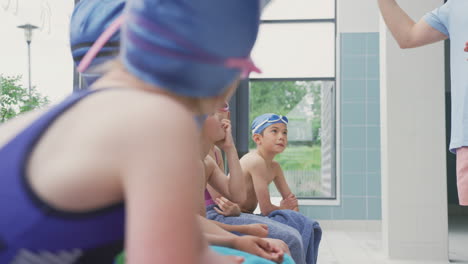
[31, 230]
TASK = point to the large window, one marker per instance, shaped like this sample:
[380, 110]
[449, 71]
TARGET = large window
[296, 52]
[49, 60]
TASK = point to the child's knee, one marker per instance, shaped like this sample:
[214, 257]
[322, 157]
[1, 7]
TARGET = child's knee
[290, 236]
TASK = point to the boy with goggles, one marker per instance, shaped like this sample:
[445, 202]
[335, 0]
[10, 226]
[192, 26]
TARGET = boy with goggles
[269, 119]
[228, 213]
[270, 134]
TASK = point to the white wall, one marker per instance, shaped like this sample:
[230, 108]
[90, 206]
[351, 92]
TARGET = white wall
[414, 199]
[414, 203]
[357, 16]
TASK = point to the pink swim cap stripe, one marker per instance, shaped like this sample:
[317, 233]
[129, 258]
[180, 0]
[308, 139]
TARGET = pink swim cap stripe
[100, 42]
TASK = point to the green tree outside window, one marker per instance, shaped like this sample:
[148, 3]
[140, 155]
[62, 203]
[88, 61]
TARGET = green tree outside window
[15, 99]
[301, 102]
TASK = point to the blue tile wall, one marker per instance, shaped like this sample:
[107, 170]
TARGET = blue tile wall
[353, 160]
[359, 102]
[354, 208]
[353, 137]
[317, 212]
[353, 114]
[353, 184]
[374, 208]
[354, 91]
[373, 91]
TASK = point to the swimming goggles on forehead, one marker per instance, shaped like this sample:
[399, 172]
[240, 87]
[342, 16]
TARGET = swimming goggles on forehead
[271, 119]
[245, 65]
[225, 108]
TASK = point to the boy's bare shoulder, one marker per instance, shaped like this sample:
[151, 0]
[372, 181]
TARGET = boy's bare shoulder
[276, 168]
[276, 165]
[252, 157]
[252, 161]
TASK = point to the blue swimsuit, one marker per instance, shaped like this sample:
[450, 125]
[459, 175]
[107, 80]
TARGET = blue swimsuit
[31, 231]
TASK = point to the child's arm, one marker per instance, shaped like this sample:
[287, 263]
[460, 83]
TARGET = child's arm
[259, 230]
[289, 199]
[218, 157]
[232, 187]
[236, 176]
[270, 249]
[226, 207]
[406, 32]
[254, 245]
[259, 173]
[160, 223]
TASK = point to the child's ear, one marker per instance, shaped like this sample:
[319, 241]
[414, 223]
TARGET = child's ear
[257, 138]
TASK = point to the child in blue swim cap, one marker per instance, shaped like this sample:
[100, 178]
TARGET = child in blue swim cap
[270, 134]
[86, 28]
[116, 162]
[89, 20]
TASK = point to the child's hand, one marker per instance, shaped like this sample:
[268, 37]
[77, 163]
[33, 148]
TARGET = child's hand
[228, 141]
[466, 46]
[280, 244]
[260, 247]
[226, 207]
[258, 230]
[290, 202]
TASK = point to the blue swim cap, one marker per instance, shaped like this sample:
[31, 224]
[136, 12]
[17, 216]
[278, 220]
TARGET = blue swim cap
[261, 122]
[89, 20]
[183, 45]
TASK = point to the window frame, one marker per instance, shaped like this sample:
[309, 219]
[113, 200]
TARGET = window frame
[241, 106]
[244, 111]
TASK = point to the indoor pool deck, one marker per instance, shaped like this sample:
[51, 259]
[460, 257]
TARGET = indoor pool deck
[349, 242]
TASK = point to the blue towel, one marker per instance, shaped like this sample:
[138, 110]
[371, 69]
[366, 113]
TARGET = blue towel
[249, 258]
[308, 228]
[276, 230]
